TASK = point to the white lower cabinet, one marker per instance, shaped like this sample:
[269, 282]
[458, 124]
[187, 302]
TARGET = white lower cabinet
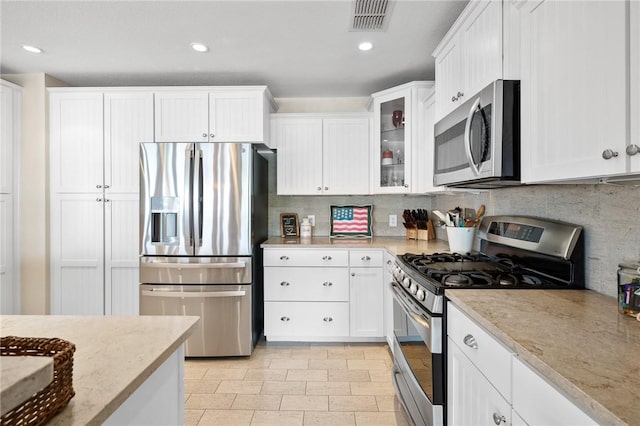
[387, 298]
[471, 398]
[322, 294]
[488, 384]
[539, 403]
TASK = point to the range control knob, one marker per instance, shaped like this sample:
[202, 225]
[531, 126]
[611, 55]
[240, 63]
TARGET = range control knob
[406, 282]
[413, 289]
[420, 295]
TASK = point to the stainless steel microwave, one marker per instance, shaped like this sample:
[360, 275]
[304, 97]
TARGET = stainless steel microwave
[478, 144]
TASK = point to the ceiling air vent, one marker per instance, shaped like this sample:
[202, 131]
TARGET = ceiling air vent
[370, 15]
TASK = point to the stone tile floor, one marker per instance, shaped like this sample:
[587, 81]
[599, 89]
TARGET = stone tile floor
[294, 384]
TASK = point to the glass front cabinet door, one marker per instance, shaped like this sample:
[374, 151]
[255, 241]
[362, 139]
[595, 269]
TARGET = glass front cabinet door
[398, 127]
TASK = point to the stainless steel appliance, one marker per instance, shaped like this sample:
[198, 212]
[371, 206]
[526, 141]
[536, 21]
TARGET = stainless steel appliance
[478, 144]
[515, 252]
[203, 214]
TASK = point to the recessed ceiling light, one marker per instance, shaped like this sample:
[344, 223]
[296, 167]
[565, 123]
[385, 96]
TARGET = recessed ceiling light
[31, 49]
[199, 47]
[365, 46]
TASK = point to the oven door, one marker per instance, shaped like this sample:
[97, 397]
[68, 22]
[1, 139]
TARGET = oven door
[418, 371]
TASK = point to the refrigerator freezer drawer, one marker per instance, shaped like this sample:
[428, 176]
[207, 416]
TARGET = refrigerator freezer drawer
[195, 270]
[224, 328]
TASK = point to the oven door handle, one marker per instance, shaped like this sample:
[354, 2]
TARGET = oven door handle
[418, 317]
[467, 137]
[396, 372]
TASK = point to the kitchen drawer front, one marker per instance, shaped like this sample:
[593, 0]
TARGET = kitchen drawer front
[365, 258]
[485, 352]
[306, 257]
[306, 284]
[540, 403]
[301, 319]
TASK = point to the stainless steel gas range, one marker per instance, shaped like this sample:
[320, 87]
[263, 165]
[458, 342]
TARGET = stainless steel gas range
[517, 252]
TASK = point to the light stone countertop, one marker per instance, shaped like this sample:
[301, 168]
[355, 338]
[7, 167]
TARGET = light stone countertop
[21, 377]
[394, 245]
[113, 357]
[576, 339]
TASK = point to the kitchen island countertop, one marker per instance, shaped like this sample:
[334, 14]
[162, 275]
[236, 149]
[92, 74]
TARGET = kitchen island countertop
[114, 355]
[576, 339]
[395, 245]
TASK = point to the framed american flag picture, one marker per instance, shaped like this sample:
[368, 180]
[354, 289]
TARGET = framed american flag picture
[351, 221]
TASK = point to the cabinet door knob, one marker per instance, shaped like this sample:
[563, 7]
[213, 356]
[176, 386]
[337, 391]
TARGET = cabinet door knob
[365, 258]
[632, 149]
[107, 187]
[470, 341]
[453, 99]
[497, 418]
[459, 94]
[319, 188]
[212, 135]
[406, 185]
[388, 262]
[608, 154]
[326, 188]
[326, 258]
[327, 319]
[284, 257]
[353, 274]
[98, 186]
[204, 135]
[99, 200]
[327, 283]
[285, 319]
[106, 200]
[284, 284]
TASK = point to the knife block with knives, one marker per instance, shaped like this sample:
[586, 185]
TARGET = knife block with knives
[418, 226]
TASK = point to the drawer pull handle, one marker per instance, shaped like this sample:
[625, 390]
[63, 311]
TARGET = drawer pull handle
[326, 258]
[327, 319]
[285, 319]
[366, 258]
[284, 257]
[284, 284]
[327, 283]
[470, 341]
[497, 418]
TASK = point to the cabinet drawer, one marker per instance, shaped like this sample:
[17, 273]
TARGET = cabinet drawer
[485, 352]
[306, 284]
[540, 403]
[365, 258]
[313, 319]
[306, 257]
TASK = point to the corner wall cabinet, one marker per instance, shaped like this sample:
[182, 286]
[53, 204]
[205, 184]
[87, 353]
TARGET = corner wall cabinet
[10, 122]
[314, 294]
[322, 154]
[488, 384]
[231, 114]
[580, 115]
[481, 46]
[94, 145]
[399, 138]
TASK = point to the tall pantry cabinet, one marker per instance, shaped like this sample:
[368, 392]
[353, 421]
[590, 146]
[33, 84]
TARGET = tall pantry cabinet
[10, 104]
[94, 142]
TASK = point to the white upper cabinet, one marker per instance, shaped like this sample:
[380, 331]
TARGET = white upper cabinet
[400, 148]
[9, 132]
[76, 142]
[225, 114]
[481, 46]
[579, 95]
[322, 154]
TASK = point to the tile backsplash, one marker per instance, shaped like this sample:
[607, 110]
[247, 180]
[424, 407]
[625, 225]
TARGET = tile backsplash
[608, 214]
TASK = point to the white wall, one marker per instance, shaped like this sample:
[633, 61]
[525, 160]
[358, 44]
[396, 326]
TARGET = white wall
[34, 190]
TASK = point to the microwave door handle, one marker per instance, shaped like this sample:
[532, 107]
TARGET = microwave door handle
[467, 136]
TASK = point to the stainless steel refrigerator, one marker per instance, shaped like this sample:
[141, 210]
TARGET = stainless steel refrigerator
[203, 215]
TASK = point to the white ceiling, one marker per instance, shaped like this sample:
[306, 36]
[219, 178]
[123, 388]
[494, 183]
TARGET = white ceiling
[297, 48]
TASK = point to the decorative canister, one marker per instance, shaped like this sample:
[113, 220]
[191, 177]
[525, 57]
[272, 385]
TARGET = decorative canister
[305, 228]
[629, 289]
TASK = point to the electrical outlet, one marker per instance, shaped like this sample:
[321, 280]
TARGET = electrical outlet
[393, 220]
[312, 219]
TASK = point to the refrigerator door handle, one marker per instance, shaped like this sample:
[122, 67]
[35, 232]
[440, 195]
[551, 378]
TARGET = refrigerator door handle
[193, 294]
[196, 184]
[228, 265]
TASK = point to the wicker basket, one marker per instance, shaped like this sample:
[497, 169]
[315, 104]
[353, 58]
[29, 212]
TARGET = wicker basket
[41, 407]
